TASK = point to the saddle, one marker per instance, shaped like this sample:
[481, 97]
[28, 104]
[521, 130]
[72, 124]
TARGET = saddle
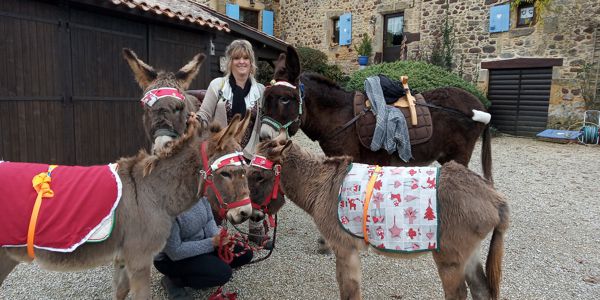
[199, 94]
[420, 127]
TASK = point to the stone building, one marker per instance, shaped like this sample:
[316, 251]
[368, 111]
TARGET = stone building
[538, 74]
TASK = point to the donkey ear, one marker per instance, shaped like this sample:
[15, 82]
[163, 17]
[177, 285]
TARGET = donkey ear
[292, 64]
[187, 73]
[275, 151]
[243, 126]
[144, 74]
[228, 132]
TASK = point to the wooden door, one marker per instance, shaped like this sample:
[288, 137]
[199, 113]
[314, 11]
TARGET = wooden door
[34, 117]
[107, 114]
[171, 48]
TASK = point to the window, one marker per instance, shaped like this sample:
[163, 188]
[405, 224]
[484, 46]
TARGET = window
[249, 17]
[393, 30]
[335, 25]
[526, 14]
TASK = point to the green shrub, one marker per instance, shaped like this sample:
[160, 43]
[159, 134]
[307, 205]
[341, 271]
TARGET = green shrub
[264, 72]
[422, 77]
[312, 60]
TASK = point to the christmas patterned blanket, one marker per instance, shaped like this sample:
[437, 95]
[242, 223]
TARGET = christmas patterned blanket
[56, 208]
[392, 208]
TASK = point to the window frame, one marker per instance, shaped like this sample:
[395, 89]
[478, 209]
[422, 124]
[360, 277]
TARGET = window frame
[335, 30]
[519, 23]
[256, 13]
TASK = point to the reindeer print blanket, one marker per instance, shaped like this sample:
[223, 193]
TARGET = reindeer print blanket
[392, 208]
[78, 203]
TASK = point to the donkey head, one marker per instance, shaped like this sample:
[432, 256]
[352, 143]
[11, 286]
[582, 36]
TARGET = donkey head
[166, 106]
[263, 174]
[226, 184]
[282, 106]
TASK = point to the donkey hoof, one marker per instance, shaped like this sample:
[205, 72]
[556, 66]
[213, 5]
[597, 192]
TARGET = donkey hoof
[323, 247]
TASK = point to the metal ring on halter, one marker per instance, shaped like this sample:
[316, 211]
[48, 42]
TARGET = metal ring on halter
[277, 169]
[203, 174]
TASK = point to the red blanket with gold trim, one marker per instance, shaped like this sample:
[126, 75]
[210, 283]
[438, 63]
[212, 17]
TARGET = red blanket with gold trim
[83, 198]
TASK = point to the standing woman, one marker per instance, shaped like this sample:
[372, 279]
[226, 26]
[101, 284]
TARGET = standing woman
[233, 94]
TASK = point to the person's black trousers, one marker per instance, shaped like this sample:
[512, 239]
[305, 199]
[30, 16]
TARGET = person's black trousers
[202, 271]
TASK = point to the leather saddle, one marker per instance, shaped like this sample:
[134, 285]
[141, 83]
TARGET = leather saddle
[420, 127]
[199, 94]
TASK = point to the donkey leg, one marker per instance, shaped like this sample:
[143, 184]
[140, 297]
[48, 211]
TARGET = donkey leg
[476, 278]
[347, 267]
[120, 281]
[139, 279]
[7, 264]
[452, 274]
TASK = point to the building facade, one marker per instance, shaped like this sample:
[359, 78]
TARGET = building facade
[537, 74]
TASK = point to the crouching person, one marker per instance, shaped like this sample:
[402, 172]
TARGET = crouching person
[190, 259]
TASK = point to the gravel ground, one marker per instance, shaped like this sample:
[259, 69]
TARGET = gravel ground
[552, 247]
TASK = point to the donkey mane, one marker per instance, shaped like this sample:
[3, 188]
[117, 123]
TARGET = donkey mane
[327, 93]
[321, 79]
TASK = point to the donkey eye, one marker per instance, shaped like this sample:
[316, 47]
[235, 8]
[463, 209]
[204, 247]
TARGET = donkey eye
[226, 175]
[284, 100]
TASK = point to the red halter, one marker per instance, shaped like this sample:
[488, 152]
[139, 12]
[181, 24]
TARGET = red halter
[232, 159]
[151, 96]
[263, 162]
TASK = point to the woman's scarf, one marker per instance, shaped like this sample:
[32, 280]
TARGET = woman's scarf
[238, 105]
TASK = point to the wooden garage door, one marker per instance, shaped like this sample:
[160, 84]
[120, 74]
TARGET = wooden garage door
[520, 99]
[107, 115]
[34, 120]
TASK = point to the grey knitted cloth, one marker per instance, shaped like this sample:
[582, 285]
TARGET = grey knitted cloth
[191, 233]
[391, 131]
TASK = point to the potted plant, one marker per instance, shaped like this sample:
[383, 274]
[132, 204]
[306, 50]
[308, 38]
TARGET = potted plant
[364, 50]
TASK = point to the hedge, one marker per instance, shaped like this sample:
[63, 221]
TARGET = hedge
[422, 77]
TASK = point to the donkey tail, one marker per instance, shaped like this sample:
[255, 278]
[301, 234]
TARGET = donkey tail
[486, 154]
[493, 264]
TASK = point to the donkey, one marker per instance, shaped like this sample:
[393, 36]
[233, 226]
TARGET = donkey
[155, 189]
[166, 104]
[471, 208]
[325, 113]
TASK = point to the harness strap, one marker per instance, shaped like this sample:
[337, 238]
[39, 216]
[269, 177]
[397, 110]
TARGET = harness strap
[368, 195]
[347, 124]
[41, 184]
[235, 159]
[263, 162]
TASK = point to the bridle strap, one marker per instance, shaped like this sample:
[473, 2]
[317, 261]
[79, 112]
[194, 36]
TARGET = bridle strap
[235, 159]
[263, 162]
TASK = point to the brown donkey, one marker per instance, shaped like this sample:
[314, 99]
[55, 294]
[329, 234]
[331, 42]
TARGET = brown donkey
[155, 189]
[166, 104]
[470, 209]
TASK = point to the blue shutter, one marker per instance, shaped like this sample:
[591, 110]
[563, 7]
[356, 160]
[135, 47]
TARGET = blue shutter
[346, 29]
[267, 22]
[233, 11]
[500, 18]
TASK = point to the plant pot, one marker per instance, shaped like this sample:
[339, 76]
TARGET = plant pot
[363, 60]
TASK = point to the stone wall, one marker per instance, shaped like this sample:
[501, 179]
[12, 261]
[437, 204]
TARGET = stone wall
[567, 31]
